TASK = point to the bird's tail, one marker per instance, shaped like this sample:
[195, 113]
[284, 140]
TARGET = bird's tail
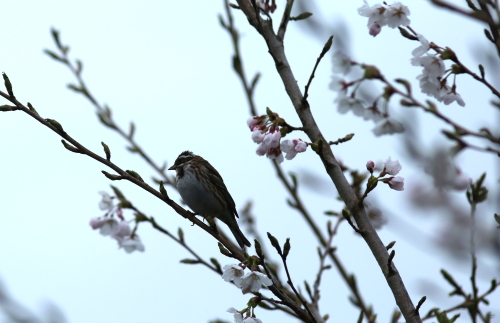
[240, 238]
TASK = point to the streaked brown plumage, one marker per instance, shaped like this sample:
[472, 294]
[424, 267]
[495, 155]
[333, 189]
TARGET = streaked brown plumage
[204, 191]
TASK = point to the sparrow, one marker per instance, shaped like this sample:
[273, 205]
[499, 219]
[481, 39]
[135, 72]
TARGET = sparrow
[204, 191]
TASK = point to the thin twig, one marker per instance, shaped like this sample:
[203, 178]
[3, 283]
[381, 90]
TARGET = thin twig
[285, 19]
[83, 89]
[326, 48]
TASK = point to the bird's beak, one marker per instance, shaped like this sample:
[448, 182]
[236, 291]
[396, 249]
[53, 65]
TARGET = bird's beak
[173, 167]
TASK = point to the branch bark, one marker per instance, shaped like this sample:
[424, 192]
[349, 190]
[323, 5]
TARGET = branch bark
[333, 169]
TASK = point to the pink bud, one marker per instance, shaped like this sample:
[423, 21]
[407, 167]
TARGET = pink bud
[370, 165]
[375, 29]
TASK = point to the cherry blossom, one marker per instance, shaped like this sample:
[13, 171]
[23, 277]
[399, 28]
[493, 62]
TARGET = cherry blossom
[253, 281]
[233, 273]
[238, 317]
[423, 48]
[123, 231]
[451, 97]
[396, 183]
[393, 16]
[392, 167]
[388, 126]
[107, 226]
[341, 63]
[106, 203]
[131, 244]
[292, 147]
[337, 84]
[372, 113]
[397, 15]
[351, 104]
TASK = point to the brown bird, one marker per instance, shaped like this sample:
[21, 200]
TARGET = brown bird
[204, 191]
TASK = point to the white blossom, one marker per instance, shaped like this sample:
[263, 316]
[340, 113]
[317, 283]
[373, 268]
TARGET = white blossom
[131, 244]
[374, 13]
[423, 48]
[106, 203]
[253, 281]
[233, 273]
[107, 226]
[451, 97]
[337, 83]
[397, 15]
[429, 85]
[123, 231]
[433, 65]
[388, 126]
[341, 63]
[372, 113]
[238, 317]
[392, 167]
[348, 103]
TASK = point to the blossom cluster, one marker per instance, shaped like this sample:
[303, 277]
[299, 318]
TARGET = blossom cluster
[251, 281]
[380, 15]
[118, 230]
[268, 135]
[390, 168]
[346, 102]
[433, 80]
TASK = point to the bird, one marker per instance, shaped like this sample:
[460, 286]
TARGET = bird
[203, 190]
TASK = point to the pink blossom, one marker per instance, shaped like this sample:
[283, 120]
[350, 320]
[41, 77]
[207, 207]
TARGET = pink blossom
[392, 167]
[254, 122]
[374, 29]
[271, 139]
[370, 165]
[292, 147]
[396, 183]
[275, 153]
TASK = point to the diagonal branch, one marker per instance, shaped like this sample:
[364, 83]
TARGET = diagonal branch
[332, 167]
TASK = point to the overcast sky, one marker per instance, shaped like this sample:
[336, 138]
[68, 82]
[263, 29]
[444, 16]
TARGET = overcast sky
[166, 65]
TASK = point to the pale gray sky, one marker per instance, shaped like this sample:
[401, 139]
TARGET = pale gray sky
[166, 65]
